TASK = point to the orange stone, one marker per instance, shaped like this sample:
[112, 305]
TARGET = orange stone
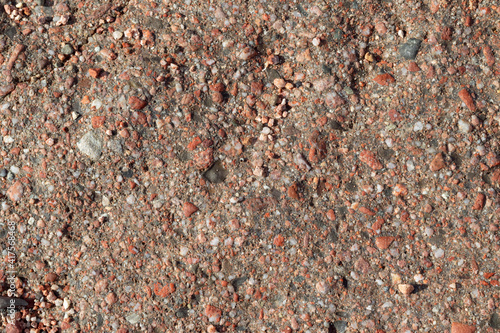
[462, 328]
[136, 103]
[189, 209]
[370, 159]
[437, 162]
[15, 192]
[98, 121]
[95, 72]
[467, 99]
[383, 242]
[384, 79]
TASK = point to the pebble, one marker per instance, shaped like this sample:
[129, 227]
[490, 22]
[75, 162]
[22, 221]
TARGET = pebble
[133, 318]
[383, 242]
[136, 103]
[467, 99]
[462, 328]
[479, 202]
[410, 49]
[406, 289]
[384, 79]
[464, 126]
[67, 49]
[370, 159]
[437, 162]
[189, 209]
[91, 144]
[3, 173]
[15, 192]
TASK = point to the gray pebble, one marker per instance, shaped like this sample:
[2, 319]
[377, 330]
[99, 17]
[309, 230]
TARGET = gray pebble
[91, 144]
[67, 49]
[216, 174]
[3, 173]
[10, 176]
[409, 49]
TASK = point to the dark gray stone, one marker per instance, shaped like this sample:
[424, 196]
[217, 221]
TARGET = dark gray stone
[495, 321]
[216, 174]
[409, 49]
[3, 173]
[340, 326]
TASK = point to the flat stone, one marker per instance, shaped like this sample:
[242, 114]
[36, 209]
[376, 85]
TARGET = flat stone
[216, 174]
[495, 321]
[91, 144]
[409, 49]
[67, 49]
[462, 328]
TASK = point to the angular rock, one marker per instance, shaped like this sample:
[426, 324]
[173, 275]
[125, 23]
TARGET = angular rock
[383, 242]
[384, 79]
[370, 159]
[91, 144]
[15, 192]
[136, 103]
[410, 49]
[437, 162]
[189, 209]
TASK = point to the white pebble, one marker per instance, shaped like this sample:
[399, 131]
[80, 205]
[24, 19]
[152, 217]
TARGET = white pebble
[464, 126]
[439, 253]
[117, 35]
[418, 126]
[184, 251]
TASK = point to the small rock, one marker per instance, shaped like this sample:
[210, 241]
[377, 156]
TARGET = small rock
[213, 313]
[488, 55]
[3, 173]
[136, 103]
[383, 242]
[6, 89]
[279, 83]
[410, 49]
[91, 145]
[384, 79]
[204, 159]
[211, 329]
[67, 49]
[479, 203]
[467, 99]
[15, 192]
[400, 190]
[292, 191]
[189, 209]
[437, 162]
[216, 174]
[464, 126]
[322, 287]
[50, 277]
[370, 159]
[406, 289]
[462, 328]
[133, 318]
[95, 72]
[495, 321]
[111, 298]
[98, 121]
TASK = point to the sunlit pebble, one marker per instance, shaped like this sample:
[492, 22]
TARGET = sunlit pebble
[316, 41]
[439, 253]
[429, 232]
[184, 250]
[418, 278]
[322, 287]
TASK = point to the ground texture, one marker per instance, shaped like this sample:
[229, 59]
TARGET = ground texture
[249, 166]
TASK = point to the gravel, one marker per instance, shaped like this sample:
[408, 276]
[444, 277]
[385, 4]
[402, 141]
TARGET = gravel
[250, 166]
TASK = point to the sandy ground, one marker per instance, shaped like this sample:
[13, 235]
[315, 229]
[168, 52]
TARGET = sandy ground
[250, 166]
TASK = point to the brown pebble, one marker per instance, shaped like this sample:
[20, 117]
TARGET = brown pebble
[462, 328]
[489, 56]
[111, 298]
[384, 79]
[189, 209]
[437, 162]
[292, 192]
[479, 203]
[50, 277]
[467, 99]
[136, 103]
[95, 72]
[383, 242]
[331, 215]
[98, 121]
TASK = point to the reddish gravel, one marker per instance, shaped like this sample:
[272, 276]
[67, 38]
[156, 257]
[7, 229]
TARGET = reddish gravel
[250, 166]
